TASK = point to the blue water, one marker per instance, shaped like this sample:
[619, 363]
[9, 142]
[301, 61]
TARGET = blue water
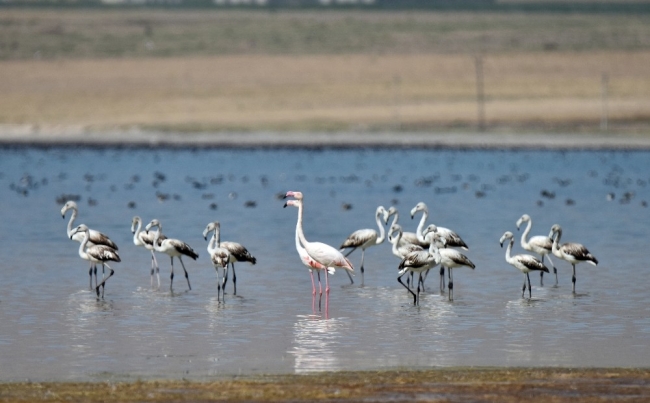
[54, 328]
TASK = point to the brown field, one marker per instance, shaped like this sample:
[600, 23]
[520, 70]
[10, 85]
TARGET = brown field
[359, 71]
[449, 385]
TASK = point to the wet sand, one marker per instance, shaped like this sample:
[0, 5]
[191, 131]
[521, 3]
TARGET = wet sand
[439, 385]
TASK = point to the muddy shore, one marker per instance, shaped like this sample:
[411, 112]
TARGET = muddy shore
[439, 385]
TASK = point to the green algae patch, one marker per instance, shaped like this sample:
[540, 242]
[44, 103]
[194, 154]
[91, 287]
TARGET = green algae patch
[463, 384]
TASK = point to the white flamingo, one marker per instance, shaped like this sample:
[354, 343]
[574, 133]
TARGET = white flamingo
[238, 253]
[145, 239]
[365, 238]
[573, 253]
[525, 263]
[540, 244]
[95, 253]
[96, 237]
[218, 255]
[320, 252]
[449, 258]
[448, 238]
[172, 248]
[419, 262]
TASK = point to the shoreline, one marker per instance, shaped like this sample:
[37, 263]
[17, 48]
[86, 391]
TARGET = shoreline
[29, 136]
[450, 384]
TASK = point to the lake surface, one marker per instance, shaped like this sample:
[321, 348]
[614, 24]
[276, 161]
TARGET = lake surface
[54, 328]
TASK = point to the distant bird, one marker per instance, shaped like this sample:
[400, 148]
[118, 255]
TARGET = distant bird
[525, 263]
[365, 238]
[218, 255]
[173, 248]
[320, 252]
[449, 258]
[542, 245]
[96, 237]
[573, 253]
[238, 253]
[448, 238]
[96, 254]
[418, 262]
[145, 239]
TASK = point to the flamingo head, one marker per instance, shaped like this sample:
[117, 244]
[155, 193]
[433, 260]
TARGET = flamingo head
[524, 218]
[296, 195]
[134, 222]
[507, 235]
[80, 228]
[70, 205]
[213, 226]
[153, 223]
[555, 229]
[419, 207]
[295, 203]
[391, 210]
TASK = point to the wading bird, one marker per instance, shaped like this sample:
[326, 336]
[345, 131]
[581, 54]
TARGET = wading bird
[96, 254]
[218, 255]
[573, 253]
[419, 262]
[540, 244]
[145, 239]
[365, 238]
[525, 263]
[172, 248]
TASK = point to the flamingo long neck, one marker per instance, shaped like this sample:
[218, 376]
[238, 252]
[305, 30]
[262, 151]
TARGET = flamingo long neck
[299, 231]
[83, 244]
[418, 232]
[395, 218]
[395, 242]
[156, 235]
[136, 234]
[71, 222]
[382, 230]
[556, 241]
[509, 250]
[215, 242]
[524, 236]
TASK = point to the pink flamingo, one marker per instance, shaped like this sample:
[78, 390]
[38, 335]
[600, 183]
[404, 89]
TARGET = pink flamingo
[321, 253]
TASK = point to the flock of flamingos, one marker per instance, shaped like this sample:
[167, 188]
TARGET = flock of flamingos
[419, 252]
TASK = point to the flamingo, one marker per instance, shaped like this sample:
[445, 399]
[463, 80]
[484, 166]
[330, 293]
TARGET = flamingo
[449, 258]
[238, 253]
[96, 237]
[401, 249]
[365, 238]
[525, 263]
[173, 248]
[573, 253]
[446, 236]
[322, 253]
[145, 240]
[419, 262]
[542, 245]
[218, 255]
[95, 253]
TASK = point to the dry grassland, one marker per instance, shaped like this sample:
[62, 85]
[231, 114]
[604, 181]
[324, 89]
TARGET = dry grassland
[287, 84]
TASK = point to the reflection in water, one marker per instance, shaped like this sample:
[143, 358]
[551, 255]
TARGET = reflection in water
[315, 343]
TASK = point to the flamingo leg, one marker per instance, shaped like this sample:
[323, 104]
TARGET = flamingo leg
[423, 277]
[350, 277]
[327, 282]
[104, 281]
[153, 269]
[171, 282]
[573, 278]
[523, 290]
[530, 291]
[313, 286]
[320, 286]
[234, 278]
[442, 279]
[187, 276]
[90, 274]
[451, 285]
[554, 268]
[225, 277]
[399, 279]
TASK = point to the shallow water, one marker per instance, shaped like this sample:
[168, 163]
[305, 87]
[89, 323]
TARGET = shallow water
[54, 328]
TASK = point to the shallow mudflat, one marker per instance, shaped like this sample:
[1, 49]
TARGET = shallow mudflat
[464, 384]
